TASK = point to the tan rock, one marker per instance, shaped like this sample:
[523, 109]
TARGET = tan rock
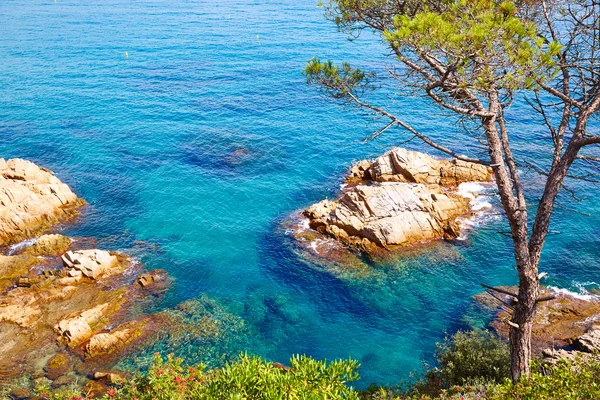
[401, 165]
[359, 172]
[392, 214]
[154, 281]
[32, 199]
[104, 343]
[92, 263]
[48, 245]
[76, 330]
[402, 197]
[590, 341]
[22, 315]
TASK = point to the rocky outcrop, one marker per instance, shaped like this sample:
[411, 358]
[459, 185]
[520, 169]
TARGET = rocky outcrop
[77, 329]
[32, 199]
[91, 263]
[401, 165]
[48, 245]
[401, 198]
[564, 327]
[107, 342]
[590, 341]
[56, 305]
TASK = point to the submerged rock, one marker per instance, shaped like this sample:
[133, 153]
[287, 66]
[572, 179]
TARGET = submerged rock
[57, 366]
[32, 199]
[401, 198]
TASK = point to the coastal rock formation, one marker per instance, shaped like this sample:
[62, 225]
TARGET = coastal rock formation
[77, 329]
[107, 342]
[48, 245]
[56, 305]
[563, 328]
[401, 165]
[91, 263]
[590, 341]
[32, 199]
[401, 198]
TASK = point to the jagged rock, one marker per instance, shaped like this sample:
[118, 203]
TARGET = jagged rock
[359, 172]
[32, 199]
[104, 343]
[587, 346]
[76, 330]
[154, 281]
[401, 165]
[394, 214]
[13, 267]
[92, 263]
[48, 245]
[397, 200]
[590, 341]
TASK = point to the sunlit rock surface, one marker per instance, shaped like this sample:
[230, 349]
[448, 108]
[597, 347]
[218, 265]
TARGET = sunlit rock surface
[402, 197]
[32, 199]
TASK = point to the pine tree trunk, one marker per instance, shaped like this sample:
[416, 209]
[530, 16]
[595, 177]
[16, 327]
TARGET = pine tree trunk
[523, 316]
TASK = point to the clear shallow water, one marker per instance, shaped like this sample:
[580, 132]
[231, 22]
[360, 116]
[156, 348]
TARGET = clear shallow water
[149, 141]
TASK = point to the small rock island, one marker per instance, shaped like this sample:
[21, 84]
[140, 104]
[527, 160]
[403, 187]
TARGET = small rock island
[401, 198]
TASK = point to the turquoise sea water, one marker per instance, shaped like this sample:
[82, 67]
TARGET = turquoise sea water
[150, 139]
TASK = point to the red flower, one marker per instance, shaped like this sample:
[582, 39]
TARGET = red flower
[180, 381]
[111, 393]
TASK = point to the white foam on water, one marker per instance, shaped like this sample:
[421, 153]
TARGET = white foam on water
[313, 246]
[305, 223]
[581, 294]
[18, 246]
[479, 194]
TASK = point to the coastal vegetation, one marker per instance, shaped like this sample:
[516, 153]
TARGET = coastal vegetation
[474, 59]
[471, 366]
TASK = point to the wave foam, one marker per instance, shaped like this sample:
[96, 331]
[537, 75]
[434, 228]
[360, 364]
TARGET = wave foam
[582, 293]
[18, 246]
[479, 194]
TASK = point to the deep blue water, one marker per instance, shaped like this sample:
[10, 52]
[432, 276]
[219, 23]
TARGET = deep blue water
[148, 140]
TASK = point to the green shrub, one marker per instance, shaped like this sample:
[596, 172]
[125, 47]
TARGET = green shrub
[577, 380]
[250, 377]
[472, 357]
[466, 359]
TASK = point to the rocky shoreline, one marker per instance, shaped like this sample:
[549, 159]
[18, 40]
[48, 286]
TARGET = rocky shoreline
[70, 312]
[66, 312]
[565, 327]
[400, 199]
